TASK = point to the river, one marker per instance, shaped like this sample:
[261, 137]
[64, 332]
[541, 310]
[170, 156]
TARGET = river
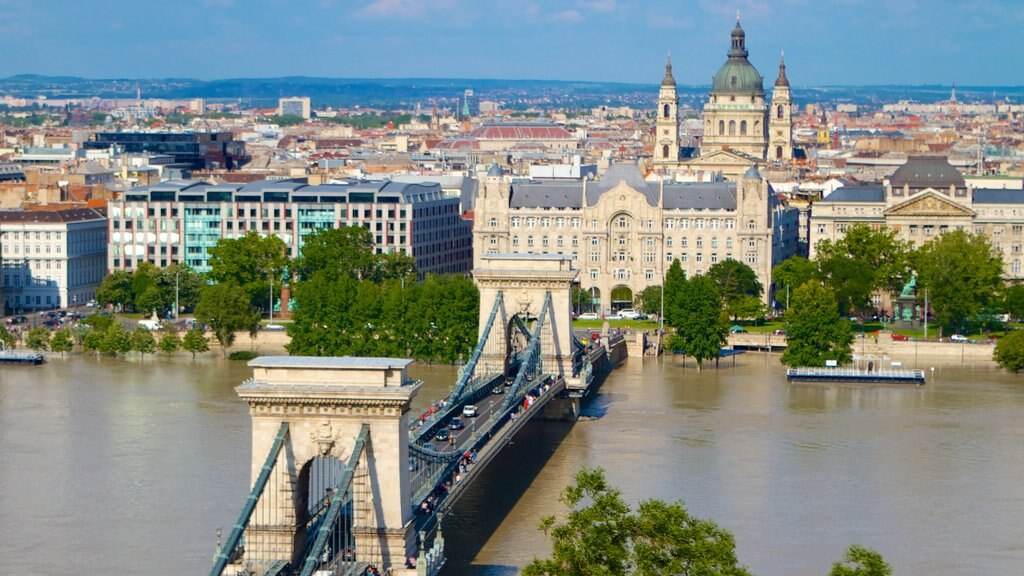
[128, 467]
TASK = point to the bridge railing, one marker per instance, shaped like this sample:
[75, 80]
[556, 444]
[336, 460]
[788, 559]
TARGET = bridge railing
[234, 548]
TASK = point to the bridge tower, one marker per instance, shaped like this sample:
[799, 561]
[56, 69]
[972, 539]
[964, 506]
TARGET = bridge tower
[525, 280]
[343, 409]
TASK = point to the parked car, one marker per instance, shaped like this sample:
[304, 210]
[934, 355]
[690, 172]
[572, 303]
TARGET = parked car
[588, 316]
[456, 424]
[442, 435]
[469, 411]
[779, 332]
[900, 337]
[631, 314]
[737, 330]
[959, 338]
[150, 324]
[273, 327]
[52, 323]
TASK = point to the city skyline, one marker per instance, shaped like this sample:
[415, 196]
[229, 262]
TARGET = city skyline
[834, 42]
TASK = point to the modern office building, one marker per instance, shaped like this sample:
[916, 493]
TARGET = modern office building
[624, 232]
[51, 259]
[178, 221]
[191, 150]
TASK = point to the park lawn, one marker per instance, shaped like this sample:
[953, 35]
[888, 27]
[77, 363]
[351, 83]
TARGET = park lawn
[631, 324]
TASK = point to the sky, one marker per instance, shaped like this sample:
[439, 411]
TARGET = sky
[826, 42]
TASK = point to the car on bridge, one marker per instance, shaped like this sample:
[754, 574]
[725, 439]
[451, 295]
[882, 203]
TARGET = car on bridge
[469, 411]
[442, 435]
[456, 424]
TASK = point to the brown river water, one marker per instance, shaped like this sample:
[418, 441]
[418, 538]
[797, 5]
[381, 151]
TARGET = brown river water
[129, 467]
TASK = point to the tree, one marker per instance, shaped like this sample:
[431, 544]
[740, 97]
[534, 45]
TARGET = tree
[861, 561]
[39, 338]
[349, 250]
[146, 295]
[62, 342]
[116, 340]
[962, 274]
[195, 342]
[143, 341]
[675, 282]
[189, 283]
[226, 309]
[748, 307]
[98, 322]
[6, 337]
[815, 331]
[602, 535]
[116, 289]
[734, 280]
[1009, 352]
[697, 319]
[78, 332]
[886, 256]
[1014, 296]
[169, 343]
[792, 273]
[93, 340]
[650, 300]
[249, 264]
[850, 281]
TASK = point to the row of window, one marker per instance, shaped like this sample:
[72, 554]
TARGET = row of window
[229, 212]
[620, 223]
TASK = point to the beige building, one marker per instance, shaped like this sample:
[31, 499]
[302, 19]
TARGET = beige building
[924, 198]
[741, 129]
[623, 232]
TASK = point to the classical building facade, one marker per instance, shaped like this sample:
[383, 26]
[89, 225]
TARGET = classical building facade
[741, 129]
[924, 198]
[623, 232]
[51, 259]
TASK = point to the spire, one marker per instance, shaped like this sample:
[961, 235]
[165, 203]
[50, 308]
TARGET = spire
[738, 48]
[782, 80]
[669, 80]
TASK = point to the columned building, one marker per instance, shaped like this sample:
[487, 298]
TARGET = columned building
[923, 199]
[741, 129]
[623, 232]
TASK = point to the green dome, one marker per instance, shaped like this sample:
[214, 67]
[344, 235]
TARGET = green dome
[737, 75]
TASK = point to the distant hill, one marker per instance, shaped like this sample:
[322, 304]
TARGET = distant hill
[446, 92]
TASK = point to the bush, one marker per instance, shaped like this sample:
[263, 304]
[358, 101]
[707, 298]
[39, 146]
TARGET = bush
[242, 355]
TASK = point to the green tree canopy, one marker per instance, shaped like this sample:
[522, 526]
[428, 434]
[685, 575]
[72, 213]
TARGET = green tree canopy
[39, 338]
[790, 274]
[62, 342]
[1009, 352]
[6, 337]
[349, 250]
[650, 300]
[226, 309]
[885, 255]
[116, 289]
[195, 342]
[601, 535]
[169, 342]
[850, 281]
[249, 263]
[116, 340]
[675, 284]
[143, 341]
[1014, 300]
[815, 331]
[962, 274]
[861, 561]
[734, 280]
[700, 330]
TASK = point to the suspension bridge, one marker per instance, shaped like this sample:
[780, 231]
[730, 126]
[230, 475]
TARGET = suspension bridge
[347, 481]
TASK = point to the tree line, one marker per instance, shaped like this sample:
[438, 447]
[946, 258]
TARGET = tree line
[102, 335]
[348, 299]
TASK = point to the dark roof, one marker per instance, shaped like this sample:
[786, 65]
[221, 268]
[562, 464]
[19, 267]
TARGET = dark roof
[998, 196]
[927, 172]
[856, 194]
[669, 79]
[72, 215]
[701, 196]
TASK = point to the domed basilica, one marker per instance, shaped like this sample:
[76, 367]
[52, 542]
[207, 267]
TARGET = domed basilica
[741, 129]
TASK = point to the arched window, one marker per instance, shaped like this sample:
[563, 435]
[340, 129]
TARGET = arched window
[778, 152]
[664, 151]
[743, 128]
[721, 127]
[667, 110]
[778, 113]
[732, 127]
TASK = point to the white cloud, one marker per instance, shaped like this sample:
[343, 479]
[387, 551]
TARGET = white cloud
[403, 8]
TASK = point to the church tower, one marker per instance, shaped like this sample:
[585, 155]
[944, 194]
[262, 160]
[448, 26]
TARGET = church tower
[736, 114]
[780, 140]
[666, 128]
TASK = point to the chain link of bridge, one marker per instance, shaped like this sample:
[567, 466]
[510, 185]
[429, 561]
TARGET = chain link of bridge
[347, 480]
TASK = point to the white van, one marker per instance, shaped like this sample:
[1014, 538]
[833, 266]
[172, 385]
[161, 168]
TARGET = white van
[150, 324]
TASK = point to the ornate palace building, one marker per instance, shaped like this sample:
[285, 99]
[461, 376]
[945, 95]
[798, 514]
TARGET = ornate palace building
[925, 198]
[623, 232]
[741, 129]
